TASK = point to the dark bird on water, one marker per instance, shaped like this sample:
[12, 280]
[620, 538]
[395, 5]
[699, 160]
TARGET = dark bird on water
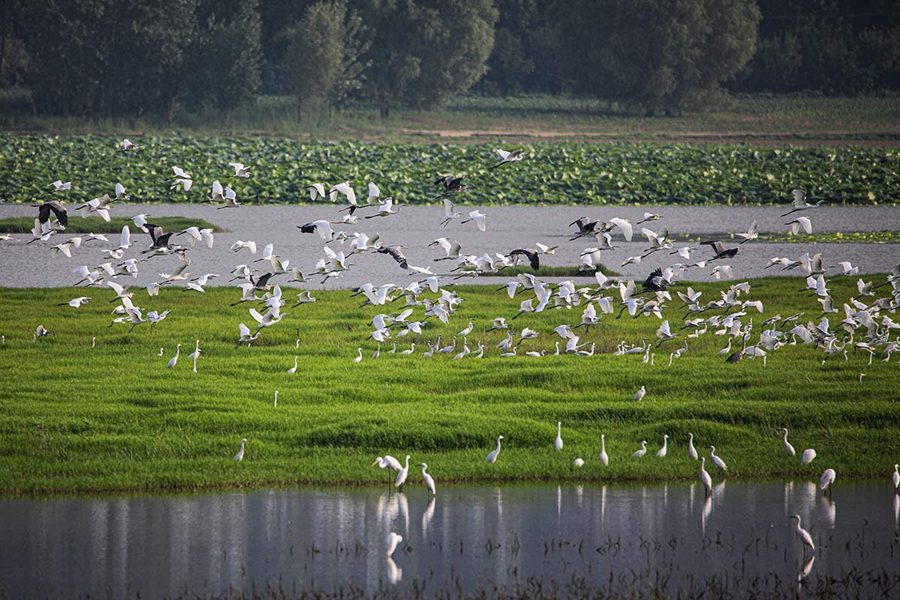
[720, 250]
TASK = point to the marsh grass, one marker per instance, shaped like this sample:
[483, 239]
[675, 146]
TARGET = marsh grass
[81, 419]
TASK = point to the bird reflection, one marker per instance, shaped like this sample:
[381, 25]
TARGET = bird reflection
[896, 511]
[807, 567]
[579, 495]
[427, 516]
[394, 573]
[826, 511]
[392, 507]
[704, 515]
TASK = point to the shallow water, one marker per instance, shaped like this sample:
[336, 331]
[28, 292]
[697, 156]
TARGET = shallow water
[508, 227]
[623, 539]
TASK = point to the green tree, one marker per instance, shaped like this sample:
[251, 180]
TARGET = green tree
[656, 54]
[316, 52]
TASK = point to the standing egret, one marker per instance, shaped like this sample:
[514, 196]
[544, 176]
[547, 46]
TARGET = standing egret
[579, 462]
[195, 355]
[704, 476]
[642, 451]
[174, 360]
[604, 458]
[429, 480]
[276, 399]
[692, 452]
[638, 395]
[827, 481]
[401, 476]
[808, 456]
[559, 443]
[388, 461]
[240, 455]
[358, 356]
[492, 457]
[393, 540]
[661, 453]
[787, 445]
[895, 479]
[804, 535]
[293, 369]
[716, 460]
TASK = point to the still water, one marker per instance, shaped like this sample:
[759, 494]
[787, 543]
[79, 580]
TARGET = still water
[619, 539]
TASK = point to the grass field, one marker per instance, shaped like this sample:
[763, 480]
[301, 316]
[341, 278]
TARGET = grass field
[761, 119]
[77, 418]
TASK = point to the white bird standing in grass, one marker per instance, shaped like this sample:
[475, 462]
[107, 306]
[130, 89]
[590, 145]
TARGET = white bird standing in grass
[604, 458]
[827, 481]
[174, 360]
[393, 540]
[401, 476]
[787, 445]
[692, 452]
[804, 535]
[293, 369]
[895, 479]
[492, 457]
[559, 443]
[195, 355]
[578, 462]
[429, 480]
[642, 451]
[240, 455]
[665, 447]
[704, 476]
[638, 395]
[358, 356]
[716, 460]
[808, 456]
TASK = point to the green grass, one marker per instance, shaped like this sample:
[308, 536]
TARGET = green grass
[552, 173]
[98, 225]
[753, 118]
[112, 418]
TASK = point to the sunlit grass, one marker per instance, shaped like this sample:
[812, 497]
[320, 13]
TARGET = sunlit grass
[111, 417]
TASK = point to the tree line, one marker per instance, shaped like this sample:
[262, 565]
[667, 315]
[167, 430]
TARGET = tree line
[137, 57]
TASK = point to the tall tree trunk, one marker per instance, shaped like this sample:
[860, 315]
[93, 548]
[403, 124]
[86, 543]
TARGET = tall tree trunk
[299, 108]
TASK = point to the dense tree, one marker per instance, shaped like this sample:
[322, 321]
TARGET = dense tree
[316, 52]
[657, 54]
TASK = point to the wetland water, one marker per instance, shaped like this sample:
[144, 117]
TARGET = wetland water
[617, 538]
[508, 227]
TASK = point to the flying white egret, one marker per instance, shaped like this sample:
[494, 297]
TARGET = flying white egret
[508, 157]
[393, 540]
[804, 535]
[479, 218]
[826, 482]
[642, 451]
[787, 445]
[174, 360]
[559, 443]
[492, 457]
[429, 480]
[246, 337]
[402, 474]
[692, 452]
[240, 170]
[240, 455]
[604, 457]
[704, 476]
[808, 456]
[661, 453]
[716, 460]
[800, 202]
[798, 223]
[76, 302]
[639, 395]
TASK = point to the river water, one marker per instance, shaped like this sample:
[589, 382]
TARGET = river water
[621, 539]
[508, 227]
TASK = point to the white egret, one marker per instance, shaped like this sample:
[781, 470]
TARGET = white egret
[716, 460]
[492, 457]
[642, 451]
[661, 453]
[559, 443]
[402, 474]
[827, 480]
[704, 476]
[508, 157]
[293, 369]
[808, 456]
[604, 458]
[692, 452]
[76, 302]
[787, 445]
[240, 455]
[393, 540]
[240, 170]
[276, 399]
[578, 462]
[895, 478]
[429, 480]
[195, 355]
[358, 356]
[479, 218]
[388, 461]
[129, 146]
[804, 535]
[174, 360]
[638, 395]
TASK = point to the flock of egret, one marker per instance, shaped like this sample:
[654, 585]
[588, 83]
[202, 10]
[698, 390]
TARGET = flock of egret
[865, 324]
